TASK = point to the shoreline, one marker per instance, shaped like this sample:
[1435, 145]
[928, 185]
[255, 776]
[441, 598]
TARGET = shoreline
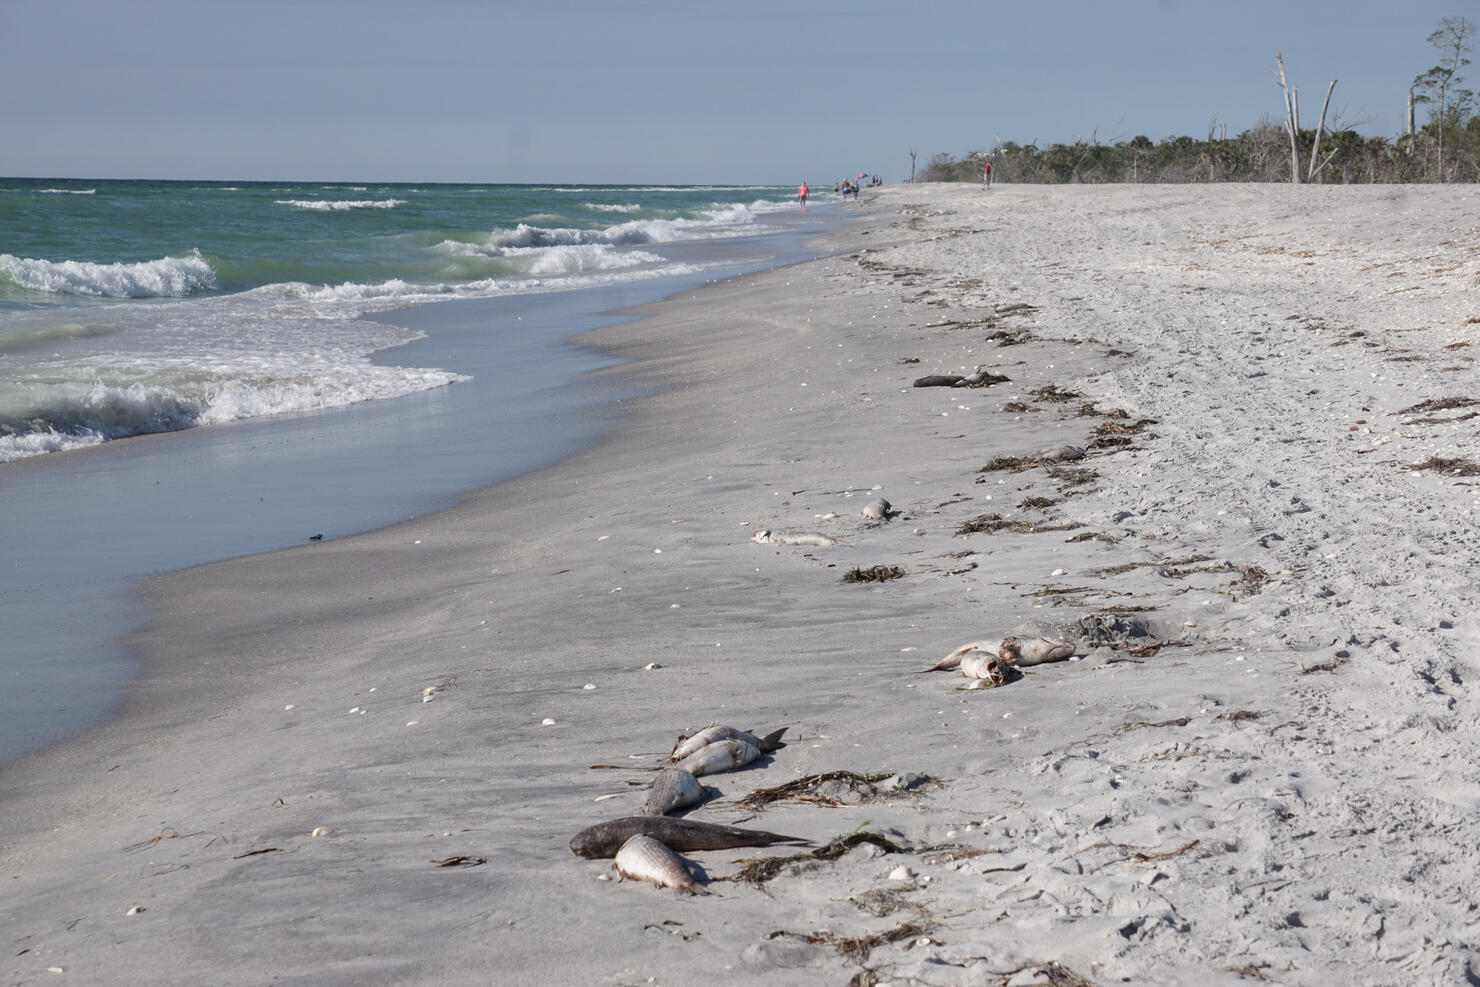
[156, 503]
[1157, 810]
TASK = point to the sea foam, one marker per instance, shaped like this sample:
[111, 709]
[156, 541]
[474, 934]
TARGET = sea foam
[167, 277]
[340, 205]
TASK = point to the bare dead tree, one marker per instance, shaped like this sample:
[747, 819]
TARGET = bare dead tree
[1315, 151]
[912, 163]
[1292, 119]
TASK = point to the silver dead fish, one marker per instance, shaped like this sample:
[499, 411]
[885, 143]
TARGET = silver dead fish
[643, 858]
[718, 757]
[605, 839]
[673, 789]
[1058, 454]
[715, 732]
[1024, 651]
[768, 537]
[985, 669]
[952, 661]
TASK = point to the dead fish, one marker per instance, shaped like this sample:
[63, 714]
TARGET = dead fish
[718, 757]
[987, 669]
[604, 839]
[1058, 454]
[767, 537]
[952, 661]
[643, 858]
[1023, 651]
[876, 511]
[715, 732]
[939, 380]
[673, 789]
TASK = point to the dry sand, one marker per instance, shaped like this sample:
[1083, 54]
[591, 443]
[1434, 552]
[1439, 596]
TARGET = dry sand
[1284, 791]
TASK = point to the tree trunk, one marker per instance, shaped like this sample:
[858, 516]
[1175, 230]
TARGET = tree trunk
[1292, 120]
[1315, 152]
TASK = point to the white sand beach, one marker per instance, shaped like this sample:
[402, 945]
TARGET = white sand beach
[1258, 767]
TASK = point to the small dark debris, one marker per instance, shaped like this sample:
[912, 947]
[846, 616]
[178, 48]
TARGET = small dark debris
[762, 870]
[462, 860]
[1054, 394]
[874, 574]
[1455, 466]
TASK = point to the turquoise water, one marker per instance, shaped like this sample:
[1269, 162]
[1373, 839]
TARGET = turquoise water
[134, 308]
[130, 307]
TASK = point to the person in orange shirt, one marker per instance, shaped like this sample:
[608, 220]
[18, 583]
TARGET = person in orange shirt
[802, 193]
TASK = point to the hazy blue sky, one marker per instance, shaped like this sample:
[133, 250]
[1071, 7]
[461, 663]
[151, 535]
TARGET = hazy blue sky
[663, 90]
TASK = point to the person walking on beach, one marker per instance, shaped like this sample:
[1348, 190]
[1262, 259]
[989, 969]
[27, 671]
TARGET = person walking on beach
[987, 174]
[802, 194]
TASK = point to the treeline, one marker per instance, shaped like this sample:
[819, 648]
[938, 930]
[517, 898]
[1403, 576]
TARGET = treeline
[1258, 155]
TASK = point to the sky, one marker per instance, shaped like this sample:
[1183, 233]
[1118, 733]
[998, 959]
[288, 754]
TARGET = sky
[665, 91]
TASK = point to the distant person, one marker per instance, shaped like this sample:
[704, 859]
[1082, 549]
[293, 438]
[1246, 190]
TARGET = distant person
[802, 194]
[835, 188]
[987, 175]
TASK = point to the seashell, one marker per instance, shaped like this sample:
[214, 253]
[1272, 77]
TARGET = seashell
[953, 660]
[718, 757]
[321, 831]
[876, 510]
[643, 858]
[673, 789]
[716, 732]
[768, 537]
[1024, 651]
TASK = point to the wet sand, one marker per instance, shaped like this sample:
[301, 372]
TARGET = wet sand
[1258, 766]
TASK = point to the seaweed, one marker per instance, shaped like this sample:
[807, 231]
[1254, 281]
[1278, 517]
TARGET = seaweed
[857, 948]
[1018, 407]
[1439, 404]
[1120, 428]
[761, 870]
[1054, 394]
[1037, 503]
[1456, 466]
[874, 574]
[1092, 536]
[1072, 476]
[992, 524]
[1180, 721]
[805, 789]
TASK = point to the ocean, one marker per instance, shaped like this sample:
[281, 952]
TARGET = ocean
[191, 371]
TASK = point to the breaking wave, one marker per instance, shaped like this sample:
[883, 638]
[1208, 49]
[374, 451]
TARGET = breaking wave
[167, 277]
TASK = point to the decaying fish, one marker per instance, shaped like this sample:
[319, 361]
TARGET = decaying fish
[986, 670]
[1058, 454]
[877, 510]
[673, 789]
[1024, 651]
[718, 757]
[952, 661]
[716, 732]
[767, 537]
[643, 858]
[605, 839]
